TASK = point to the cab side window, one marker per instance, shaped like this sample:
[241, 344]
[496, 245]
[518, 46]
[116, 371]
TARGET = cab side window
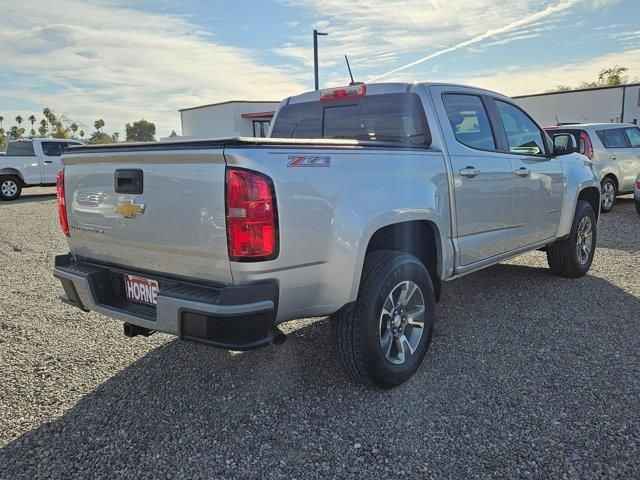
[52, 149]
[523, 135]
[633, 135]
[469, 121]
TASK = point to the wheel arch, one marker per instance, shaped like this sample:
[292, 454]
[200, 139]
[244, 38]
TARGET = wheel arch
[420, 238]
[613, 177]
[592, 196]
[13, 172]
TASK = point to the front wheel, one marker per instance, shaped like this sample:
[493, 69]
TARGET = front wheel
[572, 257]
[10, 188]
[609, 192]
[383, 338]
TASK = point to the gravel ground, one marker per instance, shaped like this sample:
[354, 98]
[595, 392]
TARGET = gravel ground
[528, 376]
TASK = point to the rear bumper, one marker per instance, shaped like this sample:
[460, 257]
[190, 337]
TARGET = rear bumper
[230, 317]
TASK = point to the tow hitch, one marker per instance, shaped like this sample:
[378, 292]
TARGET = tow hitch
[134, 330]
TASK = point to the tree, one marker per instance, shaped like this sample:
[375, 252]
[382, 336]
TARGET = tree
[98, 124]
[115, 136]
[32, 120]
[608, 77]
[140, 131]
[1, 120]
[81, 133]
[19, 120]
[74, 128]
[173, 134]
[60, 131]
[101, 137]
[42, 129]
[16, 132]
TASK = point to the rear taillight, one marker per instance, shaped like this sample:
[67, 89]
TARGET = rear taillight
[351, 91]
[252, 224]
[62, 204]
[637, 185]
[586, 147]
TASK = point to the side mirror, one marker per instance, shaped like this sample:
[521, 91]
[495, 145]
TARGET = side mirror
[564, 144]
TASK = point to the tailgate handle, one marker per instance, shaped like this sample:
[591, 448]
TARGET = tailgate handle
[128, 181]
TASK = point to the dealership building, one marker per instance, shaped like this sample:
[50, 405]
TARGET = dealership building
[587, 105]
[236, 118]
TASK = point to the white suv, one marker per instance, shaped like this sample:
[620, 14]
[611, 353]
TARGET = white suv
[614, 149]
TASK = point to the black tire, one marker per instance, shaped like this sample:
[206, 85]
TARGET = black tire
[608, 184]
[356, 329]
[10, 188]
[638, 206]
[563, 255]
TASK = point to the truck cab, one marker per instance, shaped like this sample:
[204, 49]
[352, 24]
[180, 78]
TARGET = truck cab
[29, 163]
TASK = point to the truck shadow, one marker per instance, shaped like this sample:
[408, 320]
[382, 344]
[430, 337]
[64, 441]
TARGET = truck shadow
[615, 229]
[195, 407]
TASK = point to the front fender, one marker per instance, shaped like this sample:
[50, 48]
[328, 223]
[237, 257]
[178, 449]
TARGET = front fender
[578, 176]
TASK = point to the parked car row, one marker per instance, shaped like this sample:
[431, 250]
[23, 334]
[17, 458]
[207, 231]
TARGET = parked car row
[30, 163]
[614, 149]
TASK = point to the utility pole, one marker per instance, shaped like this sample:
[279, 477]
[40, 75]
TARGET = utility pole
[315, 56]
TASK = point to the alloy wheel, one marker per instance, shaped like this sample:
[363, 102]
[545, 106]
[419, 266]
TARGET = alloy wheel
[401, 322]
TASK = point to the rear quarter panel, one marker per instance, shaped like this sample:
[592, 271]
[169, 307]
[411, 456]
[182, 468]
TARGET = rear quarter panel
[328, 214]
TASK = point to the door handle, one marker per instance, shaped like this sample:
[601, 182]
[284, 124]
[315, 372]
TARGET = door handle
[469, 172]
[522, 172]
[613, 157]
[48, 161]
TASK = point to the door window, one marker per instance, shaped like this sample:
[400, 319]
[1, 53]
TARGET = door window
[612, 138]
[633, 135]
[469, 120]
[523, 135]
[52, 149]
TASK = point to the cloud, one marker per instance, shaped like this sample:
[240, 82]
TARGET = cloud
[112, 61]
[380, 33]
[560, 7]
[524, 82]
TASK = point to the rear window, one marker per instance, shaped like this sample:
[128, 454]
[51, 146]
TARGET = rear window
[394, 117]
[20, 148]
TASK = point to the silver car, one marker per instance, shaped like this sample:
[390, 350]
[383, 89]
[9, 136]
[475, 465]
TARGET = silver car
[614, 149]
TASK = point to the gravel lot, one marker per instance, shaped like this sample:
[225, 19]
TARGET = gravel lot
[528, 375]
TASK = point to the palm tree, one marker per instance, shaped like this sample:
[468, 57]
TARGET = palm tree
[32, 119]
[42, 129]
[98, 124]
[19, 120]
[1, 120]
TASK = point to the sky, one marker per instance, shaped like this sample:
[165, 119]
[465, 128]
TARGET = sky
[126, 60]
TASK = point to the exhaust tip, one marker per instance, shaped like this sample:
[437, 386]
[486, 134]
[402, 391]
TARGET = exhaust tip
[279, 337]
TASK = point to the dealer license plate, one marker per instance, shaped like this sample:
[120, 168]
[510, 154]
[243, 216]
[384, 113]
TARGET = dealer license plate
[141, 290]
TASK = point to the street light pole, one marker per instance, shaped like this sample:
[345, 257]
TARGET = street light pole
[315, 56]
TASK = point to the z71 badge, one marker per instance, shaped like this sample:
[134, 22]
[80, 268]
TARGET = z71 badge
[309, 161]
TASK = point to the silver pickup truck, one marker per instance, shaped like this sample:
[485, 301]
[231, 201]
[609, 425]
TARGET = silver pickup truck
[363, 201]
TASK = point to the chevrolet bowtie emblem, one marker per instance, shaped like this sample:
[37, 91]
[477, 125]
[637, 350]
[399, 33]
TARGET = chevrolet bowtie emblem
[129, 209]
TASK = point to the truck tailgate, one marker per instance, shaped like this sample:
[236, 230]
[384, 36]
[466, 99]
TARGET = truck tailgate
[175, 226]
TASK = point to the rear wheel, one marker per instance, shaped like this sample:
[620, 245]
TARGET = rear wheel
[10, 188]
[383, 338]
[572, 257]
[609, 192]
